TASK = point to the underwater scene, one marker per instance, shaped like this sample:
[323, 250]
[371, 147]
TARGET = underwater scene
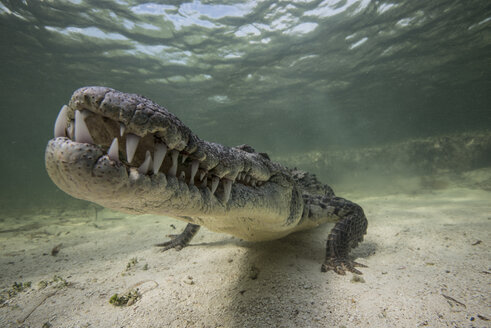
[309, 163]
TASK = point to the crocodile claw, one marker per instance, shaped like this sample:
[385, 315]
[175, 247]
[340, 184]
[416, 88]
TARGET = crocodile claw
[175, 242]
[182, 240]
[340, 266]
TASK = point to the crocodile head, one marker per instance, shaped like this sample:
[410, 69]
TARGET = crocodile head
[127, 153]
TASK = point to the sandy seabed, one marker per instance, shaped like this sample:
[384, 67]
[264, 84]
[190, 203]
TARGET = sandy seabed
[428, 257]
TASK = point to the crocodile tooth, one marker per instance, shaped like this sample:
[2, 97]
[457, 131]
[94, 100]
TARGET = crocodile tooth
[132, 141]
[182, 176]
[253, 182]
[247, 179]
[227, 187]
[113, 151]
[158, 156]
[143, 169]
[82, 133]
[61, 122]
[122, 128]
[205, 182]
[194, 169]
[184, 156]
[202, 175]
[173, 169]
[214, 184]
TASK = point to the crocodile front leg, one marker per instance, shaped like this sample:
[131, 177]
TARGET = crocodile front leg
[182, 240]
[345, 235]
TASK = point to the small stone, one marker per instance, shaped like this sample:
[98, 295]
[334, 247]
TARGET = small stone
[253, 272]
[188, 280]
[357, 278]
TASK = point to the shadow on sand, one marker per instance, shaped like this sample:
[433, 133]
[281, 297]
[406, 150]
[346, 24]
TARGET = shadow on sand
[282, 278]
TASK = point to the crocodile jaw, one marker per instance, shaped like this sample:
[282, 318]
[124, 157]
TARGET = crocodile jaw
[84, 171]
[253, 197]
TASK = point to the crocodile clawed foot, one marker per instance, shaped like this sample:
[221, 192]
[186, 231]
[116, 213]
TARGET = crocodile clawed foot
[175, 242]
[180, 241]
[340, 266]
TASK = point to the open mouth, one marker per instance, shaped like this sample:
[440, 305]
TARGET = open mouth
[146, 153]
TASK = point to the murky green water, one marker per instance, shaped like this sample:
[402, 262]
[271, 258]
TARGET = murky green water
[290, 78]
[387, 101]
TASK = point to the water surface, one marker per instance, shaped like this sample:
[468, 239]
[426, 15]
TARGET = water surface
[285, 77]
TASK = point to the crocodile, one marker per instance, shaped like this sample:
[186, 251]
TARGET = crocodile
[127, 153]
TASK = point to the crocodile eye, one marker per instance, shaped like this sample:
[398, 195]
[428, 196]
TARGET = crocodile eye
[246, 148]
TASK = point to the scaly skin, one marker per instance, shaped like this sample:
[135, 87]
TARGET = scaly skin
[232, 190]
